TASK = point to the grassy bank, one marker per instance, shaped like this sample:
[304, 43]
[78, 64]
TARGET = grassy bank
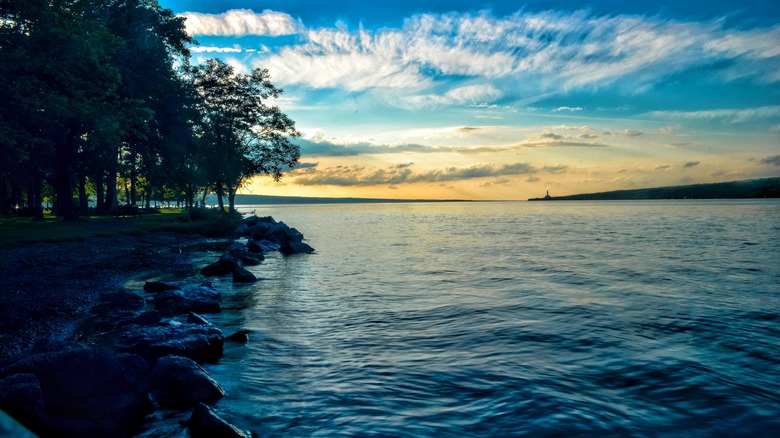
[15, 230]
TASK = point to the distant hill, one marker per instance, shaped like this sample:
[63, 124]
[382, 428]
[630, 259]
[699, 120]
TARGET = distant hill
[754, 188]
[284, 200]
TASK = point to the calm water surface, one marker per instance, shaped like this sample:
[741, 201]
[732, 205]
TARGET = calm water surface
[656, 318]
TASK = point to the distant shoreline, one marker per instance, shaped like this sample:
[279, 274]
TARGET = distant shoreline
[747, 189]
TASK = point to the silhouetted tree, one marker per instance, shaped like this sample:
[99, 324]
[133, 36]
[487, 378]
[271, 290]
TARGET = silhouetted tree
[240, 135]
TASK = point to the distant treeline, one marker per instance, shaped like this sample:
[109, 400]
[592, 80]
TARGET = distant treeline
[756, 188]
[100, 105]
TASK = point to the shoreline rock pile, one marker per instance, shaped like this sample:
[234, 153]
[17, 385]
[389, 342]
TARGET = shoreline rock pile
[262, 234]
[140, 361]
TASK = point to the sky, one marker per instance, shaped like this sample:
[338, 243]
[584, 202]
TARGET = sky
[451, 99]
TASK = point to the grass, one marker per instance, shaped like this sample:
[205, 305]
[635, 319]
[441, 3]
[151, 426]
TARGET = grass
[16, 230]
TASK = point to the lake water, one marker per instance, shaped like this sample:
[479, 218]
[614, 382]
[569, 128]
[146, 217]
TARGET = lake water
[656, 318]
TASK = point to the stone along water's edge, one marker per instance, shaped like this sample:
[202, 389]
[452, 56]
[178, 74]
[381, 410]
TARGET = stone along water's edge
[130, 366]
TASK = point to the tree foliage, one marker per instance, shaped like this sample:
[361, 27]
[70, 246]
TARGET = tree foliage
[240, 135]
[98, 99]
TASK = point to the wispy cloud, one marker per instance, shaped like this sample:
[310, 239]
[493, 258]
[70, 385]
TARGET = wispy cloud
[774, 160]
[544, 51]
[325, 148]
[690, 164]
[212, 49]
[239, 22]
[403, 174]
[725, 115]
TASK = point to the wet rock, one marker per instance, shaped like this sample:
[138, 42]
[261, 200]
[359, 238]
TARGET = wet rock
[159, 286]
[205, 423]
[254, 247]
[291, 248]
[90, 391]
[150, 317]
[201, 299]
[225, 265]
[239, 336]
[199, 342]
[268, 246]
[194, 318]
[252, 260]
[22, 398]
[179, 381]
[241, 230]
[241, 275]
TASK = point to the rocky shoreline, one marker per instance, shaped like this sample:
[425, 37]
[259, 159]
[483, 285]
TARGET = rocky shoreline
[137, 354]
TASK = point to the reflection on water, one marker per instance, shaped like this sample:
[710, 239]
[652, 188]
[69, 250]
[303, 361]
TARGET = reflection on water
[496, 319]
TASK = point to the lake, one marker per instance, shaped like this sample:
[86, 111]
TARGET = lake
[642, 318]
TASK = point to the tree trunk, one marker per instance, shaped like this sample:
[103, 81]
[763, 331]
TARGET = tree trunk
[111, 187]
[37, 188]
[133, 198]
[63, 179]
[190, 196]
[99, 193]
[83, 200]
[220, 193]
[232, 198]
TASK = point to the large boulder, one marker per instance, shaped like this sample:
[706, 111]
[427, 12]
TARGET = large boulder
[200, 299]
[254, 247]
[225, 265]
[90, 391]
[199, 342]
[241, 230]
[205, 423]
[180, 381]
[290, 248]
[241, 275]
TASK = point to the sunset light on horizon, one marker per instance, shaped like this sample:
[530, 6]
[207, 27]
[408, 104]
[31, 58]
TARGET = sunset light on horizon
[503, 100]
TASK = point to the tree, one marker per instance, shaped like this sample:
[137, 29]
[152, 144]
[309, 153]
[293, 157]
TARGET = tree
[240, 135]
[57, 80]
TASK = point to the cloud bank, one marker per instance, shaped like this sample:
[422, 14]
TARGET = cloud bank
[238, 22]
[361, 176]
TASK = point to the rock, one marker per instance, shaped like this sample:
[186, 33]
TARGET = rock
[268, 246]
[239, 336]
[194, 318]
[225, 265]
[180, 381]
[245, 253]
[199, 342]
[252, 260]
[241, 230]
[201, 299]
[205, 423]
[254, 247]
[241, 275]
[22, 398]
[159, 286]
[118, 301]
[150, 317]
[290, 248]
[261, 230]
[91, 391]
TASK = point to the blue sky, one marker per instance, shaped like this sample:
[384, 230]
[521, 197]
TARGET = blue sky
[503, 100]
